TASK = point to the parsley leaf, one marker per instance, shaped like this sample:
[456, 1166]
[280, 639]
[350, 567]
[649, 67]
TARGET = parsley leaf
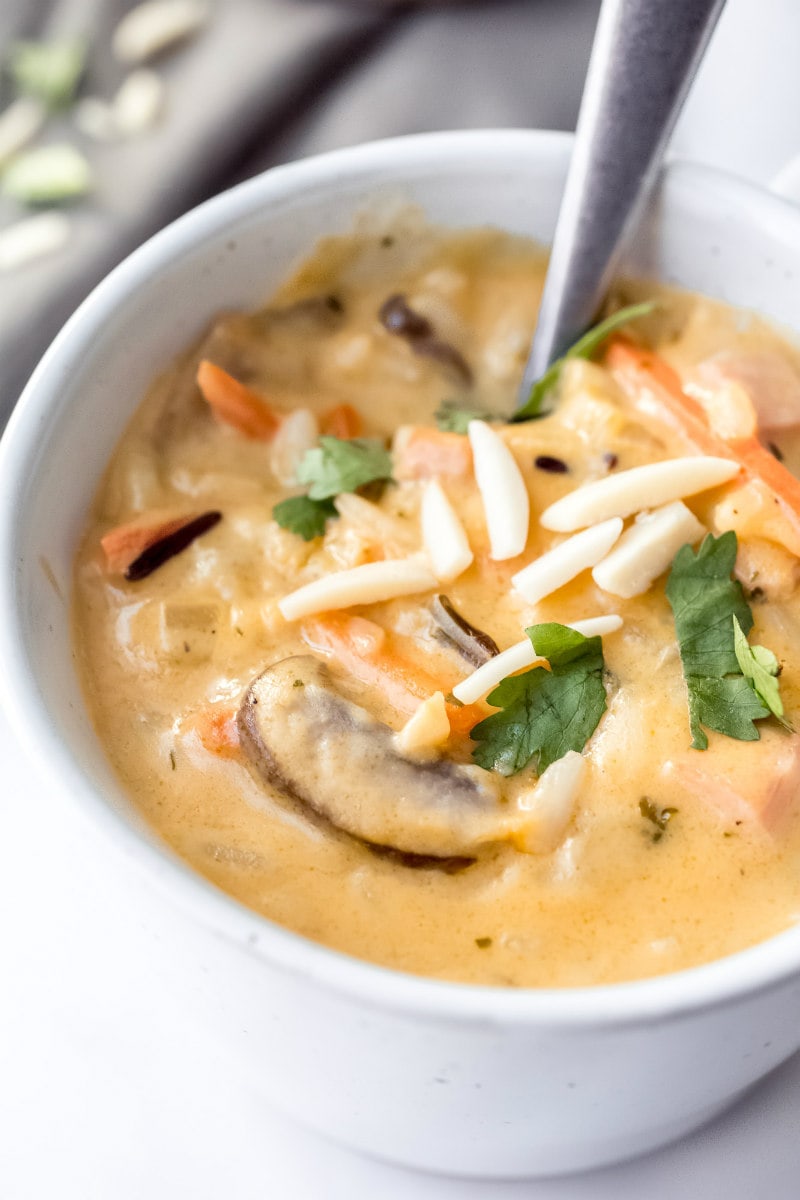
[705, 602]
[303, 516]
[544, 713]
[760, 666]
[343, 465]
[585, 347]
[452, 417]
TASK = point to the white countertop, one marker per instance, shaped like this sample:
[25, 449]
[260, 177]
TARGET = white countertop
[102, 1098]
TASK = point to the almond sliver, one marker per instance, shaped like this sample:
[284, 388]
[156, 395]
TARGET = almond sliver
[368, 584]
[561, 564]
[503, 492]
[443, 534]
[646, 550]
[630, 491]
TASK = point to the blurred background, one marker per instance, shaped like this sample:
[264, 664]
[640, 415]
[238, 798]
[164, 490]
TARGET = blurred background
[116, 117]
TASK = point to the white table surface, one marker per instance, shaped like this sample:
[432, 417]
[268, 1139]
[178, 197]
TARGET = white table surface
[102, 1097]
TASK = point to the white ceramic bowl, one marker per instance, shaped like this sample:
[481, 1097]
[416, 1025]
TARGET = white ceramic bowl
[477, 1081]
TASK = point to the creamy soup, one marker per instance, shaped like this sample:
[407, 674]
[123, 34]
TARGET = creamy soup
[320, 531]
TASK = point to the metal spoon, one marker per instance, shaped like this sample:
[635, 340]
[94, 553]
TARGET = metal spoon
[644, 57]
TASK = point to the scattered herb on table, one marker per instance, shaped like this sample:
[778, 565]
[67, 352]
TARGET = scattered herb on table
[47, 175]
[708, 606]
[544, 713]
[585, 347]
[50, 71]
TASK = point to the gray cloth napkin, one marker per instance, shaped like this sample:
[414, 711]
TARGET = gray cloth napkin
[268, 81]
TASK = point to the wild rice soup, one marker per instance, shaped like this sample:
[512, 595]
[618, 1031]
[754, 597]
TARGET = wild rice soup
[289, 695]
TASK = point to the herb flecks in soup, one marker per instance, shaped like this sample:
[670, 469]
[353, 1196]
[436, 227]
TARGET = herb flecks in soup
[503, 701]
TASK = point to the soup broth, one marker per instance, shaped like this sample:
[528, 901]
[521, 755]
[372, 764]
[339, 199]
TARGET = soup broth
[660, 856]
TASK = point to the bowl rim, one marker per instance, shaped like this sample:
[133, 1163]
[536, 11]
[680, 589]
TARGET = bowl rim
[717, 984]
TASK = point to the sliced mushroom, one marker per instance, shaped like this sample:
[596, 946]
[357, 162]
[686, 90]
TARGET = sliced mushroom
[312, 743]
[399, 318]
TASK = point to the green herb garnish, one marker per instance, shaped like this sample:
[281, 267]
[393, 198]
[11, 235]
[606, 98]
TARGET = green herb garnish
[47, 175]
[658, 817]
[544, 713]
[585, 347]
[50, 71]
[452, 417]
[339, 465]
[760, 666]
[705, 602]
[303, 516]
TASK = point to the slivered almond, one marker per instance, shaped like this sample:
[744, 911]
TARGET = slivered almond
[425, 730]
[155, 26]
[628, 492]
[368, 584]
[32, 238]
[646, 549]
[503, 491]
[19, 124]
[138, 103]
[443, 534]
[550, 805]
[521, 655]
[561, 564]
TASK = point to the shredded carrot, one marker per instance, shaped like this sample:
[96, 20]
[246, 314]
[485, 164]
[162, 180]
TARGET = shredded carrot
[422, 452]
[368, 653]
[217, 730]
[234, 404]
[341, 422]
[125, 543]
[642, 373]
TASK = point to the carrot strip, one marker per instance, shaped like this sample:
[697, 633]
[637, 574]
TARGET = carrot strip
[341, 422]
[422, 452]
[234, 404]
[366, 652]
[641, 372]
[217, 730]
[125, 543]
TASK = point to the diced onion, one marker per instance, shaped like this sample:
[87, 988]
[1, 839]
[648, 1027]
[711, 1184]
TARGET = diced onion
[646, 549]
[521, 655]
[443, 534]
[298, 433]
[367, 584]
[550, 805]
[558, 566]
[503, 492]
[628, 492]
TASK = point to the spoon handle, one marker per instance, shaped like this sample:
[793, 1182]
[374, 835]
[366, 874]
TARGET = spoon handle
[644, 57]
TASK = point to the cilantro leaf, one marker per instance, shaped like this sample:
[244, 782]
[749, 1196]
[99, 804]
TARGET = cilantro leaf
[303, 516]
[343, 465]
[544, 713]
[705, 603]
[50, 71]
[452, 417]
[585, 347]
[760, 667]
